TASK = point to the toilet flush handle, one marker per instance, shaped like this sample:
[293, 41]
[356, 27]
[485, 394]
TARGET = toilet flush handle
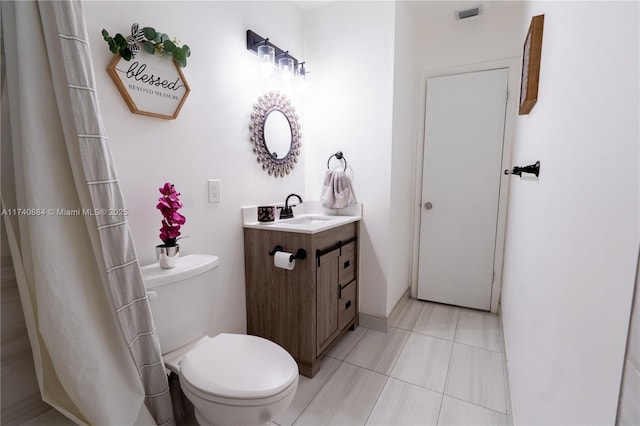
[152, 295]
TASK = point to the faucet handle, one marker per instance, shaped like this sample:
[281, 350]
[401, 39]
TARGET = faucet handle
[285, 212]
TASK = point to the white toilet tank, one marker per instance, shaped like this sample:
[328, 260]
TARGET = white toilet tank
[181, 298]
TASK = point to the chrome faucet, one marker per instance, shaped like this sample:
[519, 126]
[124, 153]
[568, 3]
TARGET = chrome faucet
[286, 212]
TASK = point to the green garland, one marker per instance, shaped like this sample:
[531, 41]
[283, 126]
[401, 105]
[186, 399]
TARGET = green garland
[151, 41]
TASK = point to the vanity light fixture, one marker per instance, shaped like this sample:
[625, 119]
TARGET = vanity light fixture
[301, 71]
[266, 58]
[267, 52]
[302, 79]
[287, 66]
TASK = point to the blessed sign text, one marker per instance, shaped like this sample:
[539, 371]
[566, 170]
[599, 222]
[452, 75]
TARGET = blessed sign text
[151, 85]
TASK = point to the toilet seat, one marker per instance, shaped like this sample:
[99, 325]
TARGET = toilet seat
[192, 392]
[232, 368]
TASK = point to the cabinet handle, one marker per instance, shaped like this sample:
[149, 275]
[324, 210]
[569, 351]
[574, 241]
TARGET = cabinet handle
[339, 292]
[347, 305]
[346, 264]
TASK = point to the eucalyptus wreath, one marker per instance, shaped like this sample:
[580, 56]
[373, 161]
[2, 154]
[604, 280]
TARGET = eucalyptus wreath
[152, 41]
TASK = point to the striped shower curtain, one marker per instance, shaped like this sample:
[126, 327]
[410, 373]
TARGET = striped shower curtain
[96, 351]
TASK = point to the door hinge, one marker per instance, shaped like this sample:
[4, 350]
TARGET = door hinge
[493, 276]
[506, 100]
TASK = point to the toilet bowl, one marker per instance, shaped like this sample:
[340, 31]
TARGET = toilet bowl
[238, 379]
[231, 379]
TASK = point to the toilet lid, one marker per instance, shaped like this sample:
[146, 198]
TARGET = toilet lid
[239, 366]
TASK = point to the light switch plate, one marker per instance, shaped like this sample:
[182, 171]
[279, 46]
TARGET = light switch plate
[214, 190]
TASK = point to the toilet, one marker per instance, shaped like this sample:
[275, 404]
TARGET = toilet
[231, 379]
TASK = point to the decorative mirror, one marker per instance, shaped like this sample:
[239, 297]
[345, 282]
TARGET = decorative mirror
[275, 133]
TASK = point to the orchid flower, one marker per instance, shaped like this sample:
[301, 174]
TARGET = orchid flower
[168, 205]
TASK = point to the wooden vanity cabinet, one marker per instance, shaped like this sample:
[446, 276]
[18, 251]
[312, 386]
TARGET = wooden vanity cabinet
[304, 310]
[335, 272]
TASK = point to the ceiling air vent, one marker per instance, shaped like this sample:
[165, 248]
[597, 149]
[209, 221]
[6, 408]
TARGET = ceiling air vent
[468, 13]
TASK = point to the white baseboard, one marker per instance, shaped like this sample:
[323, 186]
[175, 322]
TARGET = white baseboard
[374, 323]
[383, 324]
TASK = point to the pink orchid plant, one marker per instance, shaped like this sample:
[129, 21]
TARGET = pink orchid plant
[168, 205]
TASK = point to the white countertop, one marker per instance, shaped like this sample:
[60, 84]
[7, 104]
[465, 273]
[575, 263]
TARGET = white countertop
[315, 218]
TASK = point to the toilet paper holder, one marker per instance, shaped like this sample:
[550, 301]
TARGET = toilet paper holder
[300, 254]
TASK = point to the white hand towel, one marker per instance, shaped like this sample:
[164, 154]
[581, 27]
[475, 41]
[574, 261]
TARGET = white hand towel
[337, 192]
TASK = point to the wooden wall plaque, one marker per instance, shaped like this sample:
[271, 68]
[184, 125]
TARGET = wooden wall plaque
[150, 85]
[531, 55]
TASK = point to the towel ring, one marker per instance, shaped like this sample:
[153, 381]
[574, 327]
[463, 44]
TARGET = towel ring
[338, 156]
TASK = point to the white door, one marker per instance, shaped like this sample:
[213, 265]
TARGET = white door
[464, 133]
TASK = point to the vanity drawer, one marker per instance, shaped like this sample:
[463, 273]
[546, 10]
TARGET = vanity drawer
[347, 304]
[348, 263]
[328, 239]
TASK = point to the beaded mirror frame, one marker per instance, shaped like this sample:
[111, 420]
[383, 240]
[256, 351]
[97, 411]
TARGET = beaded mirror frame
[266, 104]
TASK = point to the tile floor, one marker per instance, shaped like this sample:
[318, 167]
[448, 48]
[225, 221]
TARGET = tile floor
[49, 418]
[437, 365]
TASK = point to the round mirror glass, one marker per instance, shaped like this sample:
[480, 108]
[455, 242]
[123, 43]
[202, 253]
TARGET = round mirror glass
[277, 134]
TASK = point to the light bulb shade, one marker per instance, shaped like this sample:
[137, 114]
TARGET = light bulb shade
[266, 53]
[287, 66]
[266, 58]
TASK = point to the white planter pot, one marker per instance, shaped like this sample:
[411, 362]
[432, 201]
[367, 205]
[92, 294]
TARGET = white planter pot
[168, 256]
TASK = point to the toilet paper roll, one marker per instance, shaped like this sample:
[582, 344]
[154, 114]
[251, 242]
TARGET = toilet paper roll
[281, 260]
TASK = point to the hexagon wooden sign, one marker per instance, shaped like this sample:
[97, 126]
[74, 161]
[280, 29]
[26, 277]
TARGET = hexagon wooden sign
[150, 85]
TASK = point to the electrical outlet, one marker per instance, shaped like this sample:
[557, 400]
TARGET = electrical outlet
[214, 190]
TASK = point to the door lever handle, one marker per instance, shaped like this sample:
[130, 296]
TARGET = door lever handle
[428, 206]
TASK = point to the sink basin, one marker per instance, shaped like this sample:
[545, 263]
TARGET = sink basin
[309, 220]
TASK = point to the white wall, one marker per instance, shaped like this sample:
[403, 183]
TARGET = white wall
[350, 47]
[405, 95]
[209, 139]
[447, 43]
[572, 236]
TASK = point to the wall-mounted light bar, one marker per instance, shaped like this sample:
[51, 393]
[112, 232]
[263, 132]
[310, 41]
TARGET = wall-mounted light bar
[255, 41]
